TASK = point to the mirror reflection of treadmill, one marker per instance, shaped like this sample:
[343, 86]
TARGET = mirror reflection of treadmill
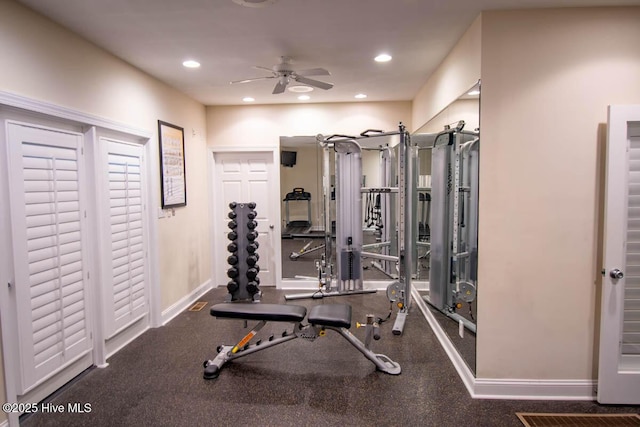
[298, 227]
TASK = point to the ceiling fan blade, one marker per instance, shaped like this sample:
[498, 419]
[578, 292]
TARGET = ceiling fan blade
[313, 72]
[252, 80]
[312, 82]
[279, 88]
[258, 67]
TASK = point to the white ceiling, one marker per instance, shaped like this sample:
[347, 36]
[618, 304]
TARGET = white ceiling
[342, 36]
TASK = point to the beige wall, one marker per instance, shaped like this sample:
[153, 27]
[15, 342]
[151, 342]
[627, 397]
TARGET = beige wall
[263, 125]
[547, 78]
[459, 71]
[46, 62]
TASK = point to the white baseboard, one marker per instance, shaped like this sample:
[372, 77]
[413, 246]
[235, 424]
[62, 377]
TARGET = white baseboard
[485, 388]
[184, 302]
[506, 388]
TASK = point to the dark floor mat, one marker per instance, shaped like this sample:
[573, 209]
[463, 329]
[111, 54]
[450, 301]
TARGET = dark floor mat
[578, 420]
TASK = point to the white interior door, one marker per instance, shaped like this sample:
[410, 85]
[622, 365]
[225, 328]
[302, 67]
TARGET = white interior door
[619, 363]
[49, 246]
[246, 177]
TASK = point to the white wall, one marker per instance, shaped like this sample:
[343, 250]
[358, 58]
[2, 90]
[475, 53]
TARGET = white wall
[547, 78]
[43, 61]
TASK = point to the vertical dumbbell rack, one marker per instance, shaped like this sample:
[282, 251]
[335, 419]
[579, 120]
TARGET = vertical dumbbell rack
[243, 261]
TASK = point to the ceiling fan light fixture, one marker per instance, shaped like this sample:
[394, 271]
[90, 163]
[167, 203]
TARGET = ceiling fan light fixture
[190, 63]
[383, 57]
[255, 3]
[299, 89]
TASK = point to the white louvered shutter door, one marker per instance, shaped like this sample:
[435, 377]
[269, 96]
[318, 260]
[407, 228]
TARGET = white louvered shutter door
[631, 314]
[127, 292]
[45, 172]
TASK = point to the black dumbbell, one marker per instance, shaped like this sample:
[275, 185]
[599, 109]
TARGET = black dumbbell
[251, 260]
[252, 247]
[252, 236]
[232, 260]
[252, 287]
[232, 247]
[232, 205]
[251, 225]
[232, 235]
[232, 286]
[232, 215]
[252, 215]
[232, 273]
[251, 205]
[232, 225]
[252, 273]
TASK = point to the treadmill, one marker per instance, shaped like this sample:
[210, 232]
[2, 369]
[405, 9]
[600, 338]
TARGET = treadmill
[297, 228]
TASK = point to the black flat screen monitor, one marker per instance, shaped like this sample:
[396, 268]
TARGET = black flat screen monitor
[288, 158]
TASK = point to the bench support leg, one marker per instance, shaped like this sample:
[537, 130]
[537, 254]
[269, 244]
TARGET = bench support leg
[382, 362]
[229, 352]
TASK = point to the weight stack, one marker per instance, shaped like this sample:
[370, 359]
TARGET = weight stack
[243, 261]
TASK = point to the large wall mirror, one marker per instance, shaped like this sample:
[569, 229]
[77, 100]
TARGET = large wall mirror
[455, 314]
[303, 213]
[302, 206]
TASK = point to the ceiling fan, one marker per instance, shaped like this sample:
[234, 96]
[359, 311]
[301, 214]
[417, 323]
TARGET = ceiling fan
[284, 72]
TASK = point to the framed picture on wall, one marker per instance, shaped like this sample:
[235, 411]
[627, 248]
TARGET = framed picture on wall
[172, 168]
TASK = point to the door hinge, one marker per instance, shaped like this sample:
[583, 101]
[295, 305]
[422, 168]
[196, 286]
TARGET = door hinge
[9, 285]
[88, 275]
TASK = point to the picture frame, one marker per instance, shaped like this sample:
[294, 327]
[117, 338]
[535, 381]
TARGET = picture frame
[173, 180]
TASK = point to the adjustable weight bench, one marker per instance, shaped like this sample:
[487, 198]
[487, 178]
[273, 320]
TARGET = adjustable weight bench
[336, 317]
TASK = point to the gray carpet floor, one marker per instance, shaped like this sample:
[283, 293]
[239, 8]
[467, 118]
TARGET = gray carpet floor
[157, 379]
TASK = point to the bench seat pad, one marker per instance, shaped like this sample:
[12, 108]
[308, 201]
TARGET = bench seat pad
[260, 311]
[336, 315]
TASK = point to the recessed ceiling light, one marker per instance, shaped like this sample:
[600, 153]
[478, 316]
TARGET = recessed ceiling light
[248, 99]
[473, 92]
[360, 96]
[191, 63]
[304, 97]
[300, 89]
[383, 57]
[254, 3]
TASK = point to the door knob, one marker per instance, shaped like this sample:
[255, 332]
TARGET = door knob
[616, 274]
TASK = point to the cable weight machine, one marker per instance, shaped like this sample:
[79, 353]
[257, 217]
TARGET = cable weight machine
[454, 222]
[396, 236]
